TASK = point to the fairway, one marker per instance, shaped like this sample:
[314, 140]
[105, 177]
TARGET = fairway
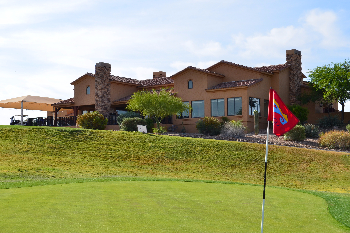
[161, 206]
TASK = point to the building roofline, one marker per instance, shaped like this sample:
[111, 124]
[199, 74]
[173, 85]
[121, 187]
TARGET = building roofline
[206, 71]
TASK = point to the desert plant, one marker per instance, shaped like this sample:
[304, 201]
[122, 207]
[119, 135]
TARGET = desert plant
[329, 122]
[348, 128]
[209, 126]
[130, 124]
[312, 131]
[335, 140]
[121, 117]
[295, 134]
[300, 112]
[92, 120]
[256, 122]
[234, 129]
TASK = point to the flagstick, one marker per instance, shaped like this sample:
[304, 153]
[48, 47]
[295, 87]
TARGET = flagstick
[267, 150]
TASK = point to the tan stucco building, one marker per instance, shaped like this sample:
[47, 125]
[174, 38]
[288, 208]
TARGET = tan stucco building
[224, 89]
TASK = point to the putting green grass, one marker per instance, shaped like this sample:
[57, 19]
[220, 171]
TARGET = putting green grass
[161, 206]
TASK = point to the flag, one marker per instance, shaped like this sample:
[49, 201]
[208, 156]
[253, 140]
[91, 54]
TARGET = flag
[283, 119]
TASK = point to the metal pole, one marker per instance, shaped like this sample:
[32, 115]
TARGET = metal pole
[22, 112]
[267, 151]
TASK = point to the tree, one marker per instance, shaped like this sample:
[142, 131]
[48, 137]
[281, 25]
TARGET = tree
[334, 79]
[157, 104]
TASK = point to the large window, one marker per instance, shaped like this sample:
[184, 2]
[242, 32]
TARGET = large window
[190, 84]
[254, 104]
[234, 106]
[217, 107]
[197, 108]
[184, 114]
[88, 90]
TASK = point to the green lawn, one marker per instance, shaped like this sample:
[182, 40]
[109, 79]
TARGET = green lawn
[36, 156]
[161, 206]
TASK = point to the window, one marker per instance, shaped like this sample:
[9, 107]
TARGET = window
[254, 104]
[190, 84]
[217, 107]
[234, 106]
[197, 108]
[184, 114]
[266, 107]
[88, 90]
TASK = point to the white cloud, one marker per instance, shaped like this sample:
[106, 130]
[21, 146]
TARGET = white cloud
[24, 12]
[211, 48]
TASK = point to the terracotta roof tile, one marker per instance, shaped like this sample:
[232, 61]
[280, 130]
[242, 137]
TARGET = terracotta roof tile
[124, 80]
[232, 84]
[200, 70]
[156, 81]
[67, 101]
[90, 74]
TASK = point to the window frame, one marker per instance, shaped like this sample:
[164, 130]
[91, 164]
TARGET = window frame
[202, 101]
[87, 90]
[188, 84]
[182, 114]
[217, 107]
[234, 106]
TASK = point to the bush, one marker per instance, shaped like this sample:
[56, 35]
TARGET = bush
[335, 140]
[348, 128]
[312, 131]
[160, 130]
[300, 112]
[295, 134]
[149, 124]
[92, 120]
[234, 129]
[130, 124]
[209, 125]
[329, 122]
[121, 117]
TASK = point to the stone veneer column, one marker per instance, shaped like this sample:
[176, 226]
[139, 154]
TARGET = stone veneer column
[293, 58]
[103, 88]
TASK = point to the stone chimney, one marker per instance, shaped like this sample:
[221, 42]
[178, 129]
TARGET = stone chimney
[103, 88]
[293, 58]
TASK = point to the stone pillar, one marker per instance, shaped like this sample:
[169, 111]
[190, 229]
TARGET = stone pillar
[293, 58]
[103, 88]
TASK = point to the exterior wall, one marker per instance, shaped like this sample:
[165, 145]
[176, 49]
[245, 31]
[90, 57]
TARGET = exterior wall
[80, 96]
[233, 73]
[119, 90]
[293, 58]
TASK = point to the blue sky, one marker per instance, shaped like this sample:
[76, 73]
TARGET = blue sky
[45, 45]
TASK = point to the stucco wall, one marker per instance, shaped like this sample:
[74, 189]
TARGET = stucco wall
[233, 73]
[119, 90]
[80, 96]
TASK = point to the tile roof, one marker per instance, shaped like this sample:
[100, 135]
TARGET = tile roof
[67, 101]
[143, 83]
[90, 74]
[232, 84]
[124, 80]
[200, 70]
[263, 69]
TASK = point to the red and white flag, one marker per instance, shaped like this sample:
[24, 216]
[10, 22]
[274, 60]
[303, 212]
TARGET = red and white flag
[283, 119]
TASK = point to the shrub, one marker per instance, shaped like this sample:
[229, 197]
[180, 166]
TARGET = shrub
[130, 124]
[149, 124]
[312, 131]
[160, 130]
[224, 120]
[335, 139]
[300, 112]
[209, 125]
[233, 129]
[92, 120]
[348, 128]
[295, 134]
[121, 117]
[329, 122]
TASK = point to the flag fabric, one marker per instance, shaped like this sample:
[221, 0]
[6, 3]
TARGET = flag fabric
[283, 119]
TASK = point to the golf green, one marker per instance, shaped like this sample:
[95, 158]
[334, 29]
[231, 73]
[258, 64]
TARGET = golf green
[161, 206]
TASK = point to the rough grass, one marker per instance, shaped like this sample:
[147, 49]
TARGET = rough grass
[33, 156]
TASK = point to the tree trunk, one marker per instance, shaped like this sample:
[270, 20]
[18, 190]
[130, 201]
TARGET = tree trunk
[342, 112]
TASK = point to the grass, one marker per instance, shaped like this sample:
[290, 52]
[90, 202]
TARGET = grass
[32, 156]
[161, 206]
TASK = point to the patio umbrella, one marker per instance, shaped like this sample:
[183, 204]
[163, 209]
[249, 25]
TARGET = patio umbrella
[29, 102]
